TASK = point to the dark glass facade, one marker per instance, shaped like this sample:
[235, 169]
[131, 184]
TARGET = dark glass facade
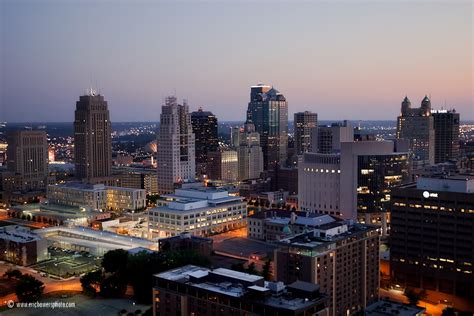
[377, 175]
[206, 138]
[446, 125]
[432, 240]
[268, 111]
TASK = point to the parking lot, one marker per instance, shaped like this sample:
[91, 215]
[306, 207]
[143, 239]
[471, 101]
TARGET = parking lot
[67, 263]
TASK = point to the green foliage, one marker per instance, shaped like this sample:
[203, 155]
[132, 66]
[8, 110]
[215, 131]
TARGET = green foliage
[114, 286]
[12, 274]
[115, 261]
[143, 265]
[414, 296]
[251, 269]
[91, 282]
[28, 288]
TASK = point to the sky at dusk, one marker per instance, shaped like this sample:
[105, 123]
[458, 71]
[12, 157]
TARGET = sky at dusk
[344, 60]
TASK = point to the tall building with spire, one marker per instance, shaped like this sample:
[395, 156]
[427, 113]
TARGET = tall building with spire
[249, 152]
[206, 139]
[268, 111]
[417, 126]
[92, 137]
[175, 146]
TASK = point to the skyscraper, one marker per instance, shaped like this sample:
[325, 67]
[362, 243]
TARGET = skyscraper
[27, 155]
[355, 183]
[223, 164]
[175, 146]
[305, 123]
[417, 126]
[206, 140]
[446, 125]
[268, 111]
[431, 241]
[92, 137]
[249, 152]
[328, 139]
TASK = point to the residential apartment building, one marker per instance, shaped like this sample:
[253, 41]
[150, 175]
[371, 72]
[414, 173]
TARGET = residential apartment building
[193, 290]
[341, 257]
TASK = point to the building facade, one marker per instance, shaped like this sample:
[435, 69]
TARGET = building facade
[272, 225]
[432, 235]
[223, 165]
[355, 183]
[97, 196]
[176, 149]
[193, 290]
[249, 152]
[21, 246]
[417, 126]
[206, 139]
[92, 137]
[446, 126]
[305, 124]
[268, 111]
[200, 211]
[341, 257]
[27, 155]
[328, 139]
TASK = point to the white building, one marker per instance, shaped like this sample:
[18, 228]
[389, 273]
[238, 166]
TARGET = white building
[319, 178]
[249, 152]
[175, 144]
[97, 196]
[358, 179]
[198, 210]
[93, 241]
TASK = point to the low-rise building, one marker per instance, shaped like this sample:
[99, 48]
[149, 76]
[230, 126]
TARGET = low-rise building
[53, 214]
[341, 257]
[271, 225]
[97, 196]
[201, 211]
[92, 241]
[21, 246]
[193, 290]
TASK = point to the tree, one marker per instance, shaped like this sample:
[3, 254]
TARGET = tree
[113, 286]
[12, 274]
[28, 288]
[115, 260]
[238, 267]
[91, 282]
[251, 269]
[266, 269]
[414, 296]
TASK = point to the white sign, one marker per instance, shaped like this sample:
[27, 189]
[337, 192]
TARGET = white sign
[427, 194]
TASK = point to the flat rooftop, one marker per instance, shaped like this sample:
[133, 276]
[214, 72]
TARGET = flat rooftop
[239, 285]
[388, 308]
[92, 238]
[18, 234]
[311, 240]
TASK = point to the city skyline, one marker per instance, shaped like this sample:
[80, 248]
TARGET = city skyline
[339, 66]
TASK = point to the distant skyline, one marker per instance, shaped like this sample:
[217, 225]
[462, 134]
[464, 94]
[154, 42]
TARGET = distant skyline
[344, 60]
